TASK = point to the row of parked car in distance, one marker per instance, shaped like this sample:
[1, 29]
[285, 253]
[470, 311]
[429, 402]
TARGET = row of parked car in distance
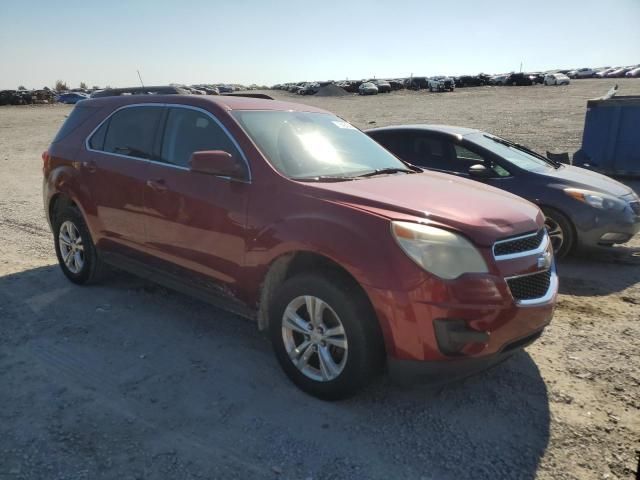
[604, 72]
[446, 83]
[46, 95]
[449, 83]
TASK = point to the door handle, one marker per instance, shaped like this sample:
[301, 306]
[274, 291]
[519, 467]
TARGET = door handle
[90, 166]
[157, 185]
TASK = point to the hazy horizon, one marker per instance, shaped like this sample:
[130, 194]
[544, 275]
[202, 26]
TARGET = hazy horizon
[252, 42]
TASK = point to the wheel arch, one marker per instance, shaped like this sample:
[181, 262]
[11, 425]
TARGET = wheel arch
[289, 264]
[57, 203]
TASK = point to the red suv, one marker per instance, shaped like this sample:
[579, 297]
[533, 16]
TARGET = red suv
[287, 214]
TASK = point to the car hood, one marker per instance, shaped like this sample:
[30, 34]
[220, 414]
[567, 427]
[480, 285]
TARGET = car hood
[577, 177]
[480, 212]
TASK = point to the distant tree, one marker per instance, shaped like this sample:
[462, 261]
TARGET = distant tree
[83, 85]
[60, 85]
[95, 87]
[22, 87]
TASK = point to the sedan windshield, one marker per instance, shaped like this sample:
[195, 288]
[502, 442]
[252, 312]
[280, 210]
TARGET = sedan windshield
[511, 152]
[303, 145]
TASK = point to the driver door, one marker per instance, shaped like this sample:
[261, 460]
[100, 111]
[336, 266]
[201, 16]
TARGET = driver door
[196, 222]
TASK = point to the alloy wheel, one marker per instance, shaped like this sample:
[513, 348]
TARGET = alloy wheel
[71, 247]
[555, 232]
[314, 338]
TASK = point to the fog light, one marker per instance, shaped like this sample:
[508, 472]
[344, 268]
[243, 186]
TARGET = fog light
[453, 335]
[615, 237]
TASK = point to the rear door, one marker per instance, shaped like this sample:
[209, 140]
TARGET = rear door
[114, 168]
[196, 221]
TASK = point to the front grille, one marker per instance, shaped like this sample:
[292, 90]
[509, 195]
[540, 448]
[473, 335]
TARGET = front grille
[530, 287]
[519, 245]
[635, 206]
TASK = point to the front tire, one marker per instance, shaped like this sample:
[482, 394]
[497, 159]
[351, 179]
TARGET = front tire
[560, 232]
[74, 247]
[325, 335]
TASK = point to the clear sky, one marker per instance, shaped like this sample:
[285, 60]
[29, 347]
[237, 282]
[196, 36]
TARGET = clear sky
[272, 41]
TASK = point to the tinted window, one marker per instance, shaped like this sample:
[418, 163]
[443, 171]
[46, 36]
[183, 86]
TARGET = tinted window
[189, 131]
[131, 131]
[96, 142]
[418, 149]
[77, 117]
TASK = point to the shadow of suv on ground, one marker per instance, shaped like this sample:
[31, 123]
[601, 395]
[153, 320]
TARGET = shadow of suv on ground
[129, 380]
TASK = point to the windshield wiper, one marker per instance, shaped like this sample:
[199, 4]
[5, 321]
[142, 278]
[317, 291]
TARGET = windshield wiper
[323, 178]
[524, 149]
[384, 171]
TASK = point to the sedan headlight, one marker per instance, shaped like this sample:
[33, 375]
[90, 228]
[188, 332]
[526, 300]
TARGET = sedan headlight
[438, 251]
[599, 200]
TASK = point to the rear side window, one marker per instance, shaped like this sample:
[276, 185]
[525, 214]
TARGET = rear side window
[96, 142]
[77, 117]
[131, 132]
[189, 131]
[430, 152]
[415, 148]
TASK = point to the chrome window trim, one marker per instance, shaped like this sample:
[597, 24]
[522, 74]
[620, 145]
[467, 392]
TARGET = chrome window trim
[167, 164]
[547, 297]
[510, 256]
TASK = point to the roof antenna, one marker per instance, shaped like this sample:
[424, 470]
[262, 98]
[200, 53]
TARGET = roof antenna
[140, 78]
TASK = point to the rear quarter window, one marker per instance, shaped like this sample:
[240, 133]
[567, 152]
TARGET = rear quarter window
[131, 131]
[79, 115]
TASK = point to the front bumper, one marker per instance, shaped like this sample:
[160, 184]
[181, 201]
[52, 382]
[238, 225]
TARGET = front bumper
[599, 228]
[406, 371]
[483, 317]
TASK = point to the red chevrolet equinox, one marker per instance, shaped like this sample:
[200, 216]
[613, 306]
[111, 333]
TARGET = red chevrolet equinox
[351, 259]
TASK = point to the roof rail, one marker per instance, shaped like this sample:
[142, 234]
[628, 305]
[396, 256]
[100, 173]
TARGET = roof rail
[264, 96]
[157, 90]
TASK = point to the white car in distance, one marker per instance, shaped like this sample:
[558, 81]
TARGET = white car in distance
[556, 79]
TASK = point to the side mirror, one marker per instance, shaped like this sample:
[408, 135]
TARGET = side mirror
[479, 171]
[217, 162]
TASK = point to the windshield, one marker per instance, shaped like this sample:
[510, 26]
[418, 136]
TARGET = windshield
[304, 145]
[510, 153]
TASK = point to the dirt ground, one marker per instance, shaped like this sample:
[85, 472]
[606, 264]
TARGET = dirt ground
[127, 380]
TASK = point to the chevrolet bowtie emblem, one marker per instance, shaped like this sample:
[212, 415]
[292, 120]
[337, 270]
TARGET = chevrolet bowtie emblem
[544, 260]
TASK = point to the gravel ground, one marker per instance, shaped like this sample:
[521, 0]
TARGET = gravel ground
[127, 380]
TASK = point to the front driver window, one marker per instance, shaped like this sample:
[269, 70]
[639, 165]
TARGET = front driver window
[189, 131]
[464, 154]
[465, 158]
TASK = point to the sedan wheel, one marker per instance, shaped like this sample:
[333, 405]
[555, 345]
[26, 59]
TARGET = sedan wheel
[556, 235]
[560, 231]
[314, 338]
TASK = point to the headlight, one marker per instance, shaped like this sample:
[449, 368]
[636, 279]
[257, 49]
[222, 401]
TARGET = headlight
[599, 200]
[438, 251]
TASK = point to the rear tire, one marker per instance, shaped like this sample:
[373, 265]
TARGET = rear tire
[560, 230]
[351, 353]
[77, 255]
